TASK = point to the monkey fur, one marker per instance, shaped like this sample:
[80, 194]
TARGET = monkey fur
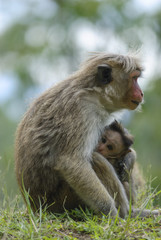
[55, 140]
[115, 145]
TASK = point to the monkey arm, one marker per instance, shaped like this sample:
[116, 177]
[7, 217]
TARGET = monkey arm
[130, 190]
[84, 181]
[110, 180]
[125, 166]
[129, 160]
[126, 175]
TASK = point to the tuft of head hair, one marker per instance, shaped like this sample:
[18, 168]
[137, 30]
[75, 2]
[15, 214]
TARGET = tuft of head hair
[126, 136]
[128, 62]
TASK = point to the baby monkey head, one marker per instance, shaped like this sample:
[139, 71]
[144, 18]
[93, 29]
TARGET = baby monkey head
[115, 141]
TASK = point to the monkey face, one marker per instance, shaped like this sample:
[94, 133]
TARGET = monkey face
[111, 144]
[119, 89]
[134, 95]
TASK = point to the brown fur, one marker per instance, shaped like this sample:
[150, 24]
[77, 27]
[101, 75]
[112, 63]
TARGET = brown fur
[57, 136]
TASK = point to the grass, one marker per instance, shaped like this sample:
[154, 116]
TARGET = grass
[19, 222]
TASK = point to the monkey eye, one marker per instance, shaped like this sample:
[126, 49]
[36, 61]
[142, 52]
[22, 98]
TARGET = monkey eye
[103, 140]
[110, 147]
[135, 78]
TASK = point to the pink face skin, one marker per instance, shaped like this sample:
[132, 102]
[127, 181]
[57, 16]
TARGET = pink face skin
[111, 144]
[134, 94]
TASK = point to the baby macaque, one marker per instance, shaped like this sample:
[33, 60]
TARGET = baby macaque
[115, 146]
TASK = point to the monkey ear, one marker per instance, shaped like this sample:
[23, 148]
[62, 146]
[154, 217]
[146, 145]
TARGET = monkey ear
[104, 73]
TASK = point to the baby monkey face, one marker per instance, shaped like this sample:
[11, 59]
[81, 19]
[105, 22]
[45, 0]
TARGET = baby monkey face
[111, 144]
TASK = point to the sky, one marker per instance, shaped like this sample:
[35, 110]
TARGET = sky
[148, 5]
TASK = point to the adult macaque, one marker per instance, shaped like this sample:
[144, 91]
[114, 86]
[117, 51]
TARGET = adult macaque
[114, 145]
[56, 138]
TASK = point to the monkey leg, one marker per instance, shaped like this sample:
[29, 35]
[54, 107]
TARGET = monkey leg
[130, 190]
[83, 180]
[145, 213]
[64, 198]
[110, 180]
[55, 194]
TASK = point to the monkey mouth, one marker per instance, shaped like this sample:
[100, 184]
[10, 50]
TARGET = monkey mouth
[135, 102]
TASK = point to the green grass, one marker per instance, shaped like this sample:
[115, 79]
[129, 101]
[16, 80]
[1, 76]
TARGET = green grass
[18, 222]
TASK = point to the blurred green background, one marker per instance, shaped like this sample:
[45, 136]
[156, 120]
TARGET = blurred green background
[42, 42]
